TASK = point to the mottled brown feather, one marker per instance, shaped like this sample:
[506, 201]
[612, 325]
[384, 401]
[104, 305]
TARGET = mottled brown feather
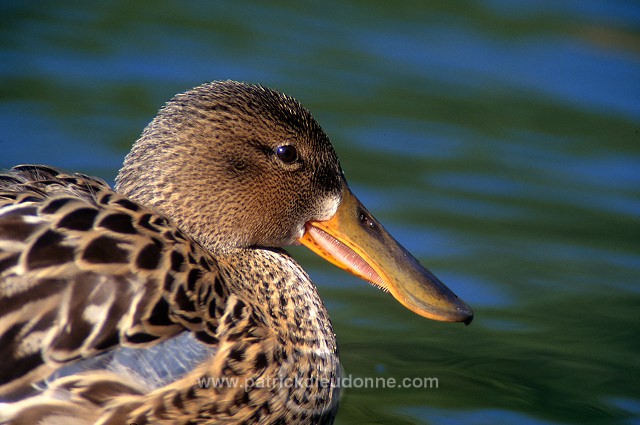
[185, 244]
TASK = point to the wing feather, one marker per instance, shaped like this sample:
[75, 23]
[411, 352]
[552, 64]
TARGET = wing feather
[84, 269]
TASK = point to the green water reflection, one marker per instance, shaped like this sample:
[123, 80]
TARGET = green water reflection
[499, 141]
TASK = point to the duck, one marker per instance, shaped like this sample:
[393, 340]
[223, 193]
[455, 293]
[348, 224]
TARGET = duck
[170, 298]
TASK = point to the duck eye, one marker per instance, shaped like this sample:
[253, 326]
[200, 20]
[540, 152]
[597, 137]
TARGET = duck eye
[287, 154]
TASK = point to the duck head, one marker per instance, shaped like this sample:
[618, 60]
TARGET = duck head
[238, 166]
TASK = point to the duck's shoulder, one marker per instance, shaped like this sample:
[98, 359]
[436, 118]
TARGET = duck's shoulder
[79, 206]
[87, 226]
[28, 183]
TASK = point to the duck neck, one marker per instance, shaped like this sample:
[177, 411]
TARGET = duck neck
[283, 295]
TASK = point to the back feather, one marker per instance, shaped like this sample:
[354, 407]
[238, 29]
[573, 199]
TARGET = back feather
[83, 269]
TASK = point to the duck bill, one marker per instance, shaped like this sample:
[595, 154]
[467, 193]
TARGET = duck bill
[355, 241]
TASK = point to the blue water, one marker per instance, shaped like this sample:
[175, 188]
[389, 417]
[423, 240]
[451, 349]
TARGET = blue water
[499, 141]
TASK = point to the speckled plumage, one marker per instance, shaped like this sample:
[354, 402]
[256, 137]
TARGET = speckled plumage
[84, 268]
[187, 245]
[100, 250]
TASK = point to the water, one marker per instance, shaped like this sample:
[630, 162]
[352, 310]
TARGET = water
[499, 141]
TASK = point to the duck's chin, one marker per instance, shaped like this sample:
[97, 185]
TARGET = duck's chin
[294, 239]
[281, 241]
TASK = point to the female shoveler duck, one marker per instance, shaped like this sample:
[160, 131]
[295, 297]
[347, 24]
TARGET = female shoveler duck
[169, 300]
